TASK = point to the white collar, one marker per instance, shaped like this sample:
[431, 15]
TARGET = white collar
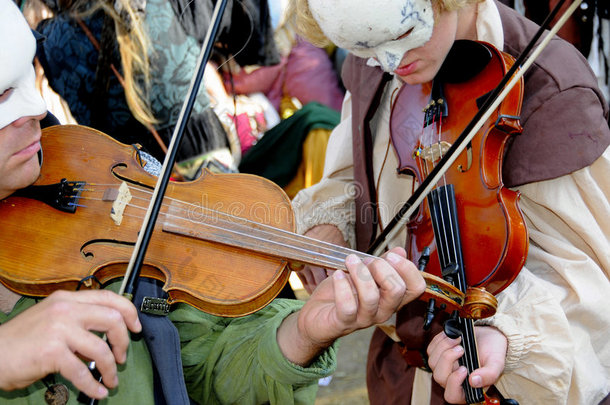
[489, 24]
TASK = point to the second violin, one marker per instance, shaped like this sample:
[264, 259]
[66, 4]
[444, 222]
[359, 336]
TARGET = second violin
[487, 218]
[470, 222]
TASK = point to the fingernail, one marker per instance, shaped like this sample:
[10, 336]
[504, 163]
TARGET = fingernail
[458, 349]
[476, 381]
[351, 259]
[393, 258]
[102, 391]
[338, 275]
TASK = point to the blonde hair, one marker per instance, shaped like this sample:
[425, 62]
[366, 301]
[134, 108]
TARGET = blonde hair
[134, 45]
[307, 26]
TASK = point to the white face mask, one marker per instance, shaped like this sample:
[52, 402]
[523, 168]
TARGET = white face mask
[371, 28]
[17, 49]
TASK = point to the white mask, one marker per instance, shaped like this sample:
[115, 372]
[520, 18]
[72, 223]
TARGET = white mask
[371, 28]
[17, 49]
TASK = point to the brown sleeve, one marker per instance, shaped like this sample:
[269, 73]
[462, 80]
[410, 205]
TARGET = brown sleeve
[565, 133]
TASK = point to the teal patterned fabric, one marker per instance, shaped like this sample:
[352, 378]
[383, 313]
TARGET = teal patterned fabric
[70, 60]
[173, 63]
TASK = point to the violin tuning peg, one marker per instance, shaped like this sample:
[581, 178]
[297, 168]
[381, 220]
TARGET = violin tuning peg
[452, 328]
[429, 316]
[424, 259]
[450, 271]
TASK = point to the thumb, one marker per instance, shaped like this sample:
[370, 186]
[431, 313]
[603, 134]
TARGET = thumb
[487, 375]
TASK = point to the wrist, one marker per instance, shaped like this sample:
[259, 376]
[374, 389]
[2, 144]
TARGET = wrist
[295, 344]
[7, 367]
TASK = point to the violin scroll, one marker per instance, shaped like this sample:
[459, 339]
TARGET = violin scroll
[475, 303]
[479, 304]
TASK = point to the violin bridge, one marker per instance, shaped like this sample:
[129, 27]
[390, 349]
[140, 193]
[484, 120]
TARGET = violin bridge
[121, 199]
[434, 152]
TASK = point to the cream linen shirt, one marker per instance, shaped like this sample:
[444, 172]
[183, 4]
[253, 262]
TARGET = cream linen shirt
[556, 314]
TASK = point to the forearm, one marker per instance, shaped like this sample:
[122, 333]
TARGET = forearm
[550, 313]
[540, 347]
[326, 203]
[328, 233]
[238, 360]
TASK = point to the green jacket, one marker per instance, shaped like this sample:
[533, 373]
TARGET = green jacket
[225, 361]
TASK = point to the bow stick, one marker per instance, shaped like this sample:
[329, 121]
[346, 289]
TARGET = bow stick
[135, 264]
[491, 103]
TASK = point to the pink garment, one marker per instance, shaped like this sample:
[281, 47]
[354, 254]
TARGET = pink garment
[307, 74]
[249, 129]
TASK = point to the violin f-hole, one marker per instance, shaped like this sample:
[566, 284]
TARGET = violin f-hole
[468, 157]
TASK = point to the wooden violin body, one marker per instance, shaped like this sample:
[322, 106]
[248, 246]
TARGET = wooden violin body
[44, 249]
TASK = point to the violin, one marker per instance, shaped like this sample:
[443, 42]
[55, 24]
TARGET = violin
[493, 234]
[470, 223]
[224, 243]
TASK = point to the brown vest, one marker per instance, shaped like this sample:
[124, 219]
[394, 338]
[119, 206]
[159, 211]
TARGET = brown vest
[570, 133]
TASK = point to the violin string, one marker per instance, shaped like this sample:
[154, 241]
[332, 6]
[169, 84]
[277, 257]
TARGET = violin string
[443, 228]
[449, 239]
[452, 256]
[260, 232]
[81, 197]
[468, 340]
[292, 252]
[444, 250]
[270, 230]
[335, 254]
[448, 251]
[260, 238]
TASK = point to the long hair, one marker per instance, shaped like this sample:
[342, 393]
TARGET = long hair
[134, 45]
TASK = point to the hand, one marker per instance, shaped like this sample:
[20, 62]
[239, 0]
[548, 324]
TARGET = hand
[443, 355]
[311, 276]
[53, 335]
[366, 295]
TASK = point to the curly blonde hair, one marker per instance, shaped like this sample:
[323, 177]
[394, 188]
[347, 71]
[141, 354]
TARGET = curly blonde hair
[307, 26]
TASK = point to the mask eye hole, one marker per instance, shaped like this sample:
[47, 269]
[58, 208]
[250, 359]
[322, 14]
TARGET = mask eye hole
[6, 93]
[406, 34]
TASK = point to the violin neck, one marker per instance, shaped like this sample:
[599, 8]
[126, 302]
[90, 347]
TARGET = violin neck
[297, 249]
[443, 213]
